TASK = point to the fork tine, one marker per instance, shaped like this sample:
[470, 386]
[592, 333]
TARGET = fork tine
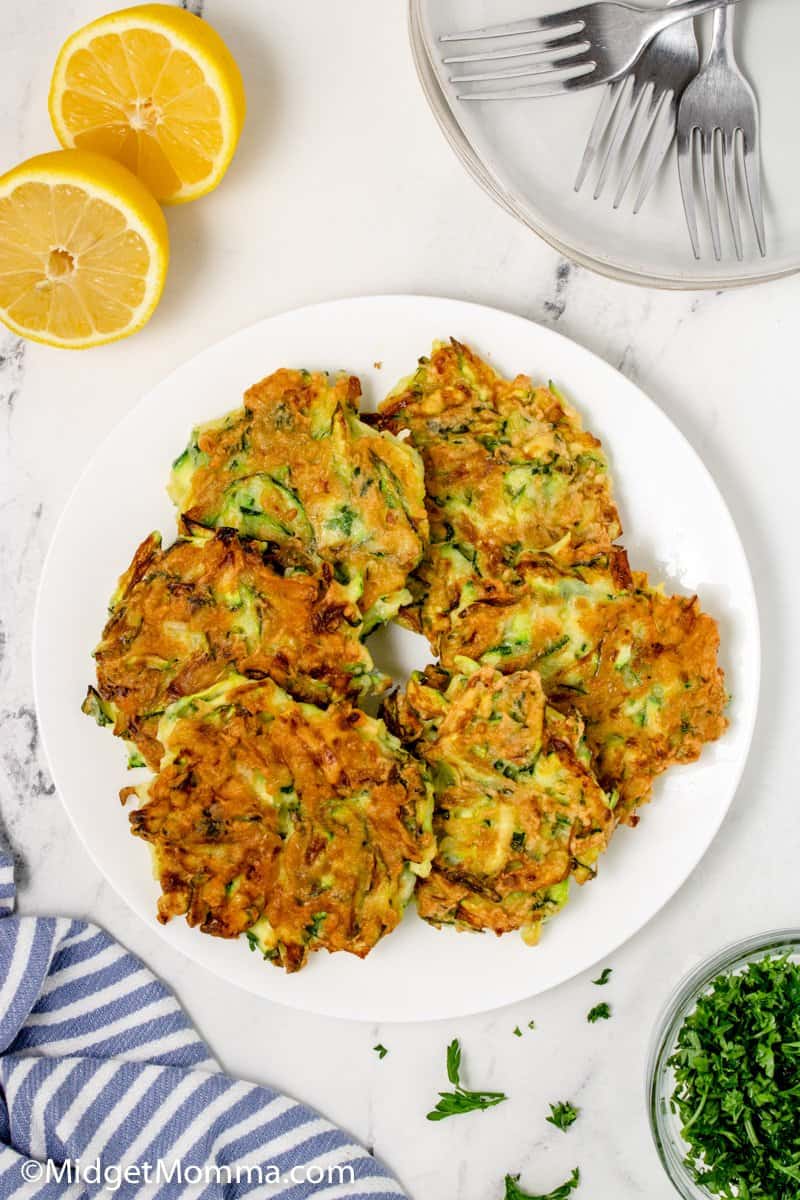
[514, 28]
[752, 170]
[660, 141]
[576, 50]
[548, 86]
[650, 110]
[623, 127]
[710, 188]
[605, 114]
[532, 48]
[729, 139]
[686, 176]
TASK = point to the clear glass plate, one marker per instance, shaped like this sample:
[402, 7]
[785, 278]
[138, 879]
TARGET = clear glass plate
[526, 153]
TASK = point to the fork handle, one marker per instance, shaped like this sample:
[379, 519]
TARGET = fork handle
[688, 8]
[722, 36]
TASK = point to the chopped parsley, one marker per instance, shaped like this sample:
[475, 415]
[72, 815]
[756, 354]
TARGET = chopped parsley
[343, 520]
[604, 977]
[737, 1083]
[454, 1103]
[380, 1050]
[514, 1192]
[254, 944]
[531, 1024]
[600, 1012]
[314, 928]
[517, 1031]
[563, 1114]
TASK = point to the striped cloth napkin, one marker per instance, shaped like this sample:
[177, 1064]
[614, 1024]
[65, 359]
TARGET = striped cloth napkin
[99, 1066]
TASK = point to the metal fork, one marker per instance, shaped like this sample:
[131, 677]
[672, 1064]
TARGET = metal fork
[582, 47]
[720, 107]
[637, 115]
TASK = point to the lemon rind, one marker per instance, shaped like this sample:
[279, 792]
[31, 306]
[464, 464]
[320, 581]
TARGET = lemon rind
[231, 122]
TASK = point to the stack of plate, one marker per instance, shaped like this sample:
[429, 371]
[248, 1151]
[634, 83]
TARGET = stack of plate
[526, 153]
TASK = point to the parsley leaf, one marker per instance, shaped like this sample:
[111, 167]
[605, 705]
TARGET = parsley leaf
[600, 1012]
[452, 1104]
[380, 1050]
[517, 1031]
[454, 1061]
[736, 1065]
[563, 1114]
[605, 975]
[513, 1192]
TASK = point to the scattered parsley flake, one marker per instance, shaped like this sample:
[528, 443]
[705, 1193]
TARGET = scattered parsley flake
[531, 1024]
[600, 1012]
[563, 1114]
[604, 977]
[514, 1192]
[517, 1031]
[380, 1050]
[736, 1065]
[452, 1104]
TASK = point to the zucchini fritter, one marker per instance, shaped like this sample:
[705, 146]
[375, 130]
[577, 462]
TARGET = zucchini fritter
[509, 470]
[305, 827]
[518, 810]
[640, 666]
[297, 468]
[183, 617]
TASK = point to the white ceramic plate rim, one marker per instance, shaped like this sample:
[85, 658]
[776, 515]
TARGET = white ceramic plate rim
[380, 1002]
[524, 210]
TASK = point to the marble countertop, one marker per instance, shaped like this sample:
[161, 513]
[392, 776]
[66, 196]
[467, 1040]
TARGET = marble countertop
[343, 186]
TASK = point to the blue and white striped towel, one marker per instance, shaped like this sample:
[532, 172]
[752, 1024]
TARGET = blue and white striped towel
[99, 1066]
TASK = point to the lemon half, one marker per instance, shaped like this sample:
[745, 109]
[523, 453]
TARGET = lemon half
[155, 88]
[83, 250]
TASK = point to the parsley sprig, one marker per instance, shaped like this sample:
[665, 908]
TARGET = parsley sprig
[563, 1114]
[451, 1104]
[737, 1083]
[600, 1012]
[514, 1192]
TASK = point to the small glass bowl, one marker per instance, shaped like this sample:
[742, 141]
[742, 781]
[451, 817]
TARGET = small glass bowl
[664, 1124]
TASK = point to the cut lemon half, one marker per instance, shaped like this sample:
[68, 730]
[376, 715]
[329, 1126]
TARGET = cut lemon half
[155, 88]
[83, 250]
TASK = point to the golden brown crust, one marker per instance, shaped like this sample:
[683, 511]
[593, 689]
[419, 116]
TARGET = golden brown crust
[307, 825]
[299, 821]
[297, 468]
[640, 666]
[508, 467]
[661, 705]
[518, 811]
[184, 616]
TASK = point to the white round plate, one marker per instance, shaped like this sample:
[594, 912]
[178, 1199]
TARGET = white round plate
[683, 534]
[526, 154]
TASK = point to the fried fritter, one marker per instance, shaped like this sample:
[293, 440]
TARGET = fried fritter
[518, 811]
[183, 617]
[640, 666]
[531, 617]
[509, 469]
[297, 468]
[305, 827]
